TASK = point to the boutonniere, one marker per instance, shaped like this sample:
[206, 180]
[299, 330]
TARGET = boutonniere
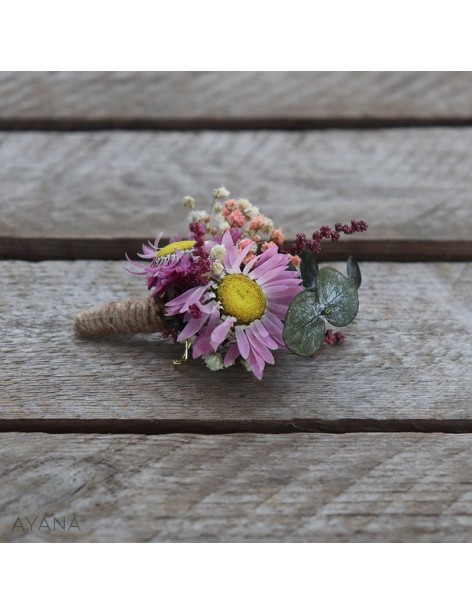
[234, 291]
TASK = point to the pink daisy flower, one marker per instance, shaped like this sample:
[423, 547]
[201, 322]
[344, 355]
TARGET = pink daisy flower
[168, 264]
[241, 314]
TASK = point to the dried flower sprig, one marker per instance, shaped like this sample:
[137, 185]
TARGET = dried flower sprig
[325, 232]
[233, 293]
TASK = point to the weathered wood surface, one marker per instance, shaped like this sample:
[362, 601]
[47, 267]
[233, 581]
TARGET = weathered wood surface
[406, 359]
[290, 488]
[407, 354]
[408, 184]
[264, 95]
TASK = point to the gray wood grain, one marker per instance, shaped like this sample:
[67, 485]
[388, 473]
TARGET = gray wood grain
[407, 354]
[177, 488]
[408, 184]
[133, 95]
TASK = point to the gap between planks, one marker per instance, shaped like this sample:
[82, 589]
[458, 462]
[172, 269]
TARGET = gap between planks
[229, 427]
[35, 249]
[229, 124]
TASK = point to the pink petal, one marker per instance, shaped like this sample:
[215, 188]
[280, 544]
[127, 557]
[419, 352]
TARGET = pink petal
[202, 347]
[259, 270]
[182, 303]
[280, 293]
[283, 282]
[257, 324]
[275, 328]
[249, 266]
[207, 308]
[267, 341]
[270, 319]
[220, 333]
[231, 355]
[277, 309]
[192, 327]
[257, 365]
[273, 274]
[236, 263]
[269, 253]
[259, 348]
[242, 341]
[231, 250]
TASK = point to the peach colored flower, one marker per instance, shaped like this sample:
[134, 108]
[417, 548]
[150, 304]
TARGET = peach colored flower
[244, 243]
[258, 223]
[278, 237]
[268, 245]
[295, 261]
[251, 254]
[229, 206]
[236, 219]
[249, 257]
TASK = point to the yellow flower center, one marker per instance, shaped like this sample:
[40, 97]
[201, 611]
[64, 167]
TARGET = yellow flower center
[170, 249]
[242, 298]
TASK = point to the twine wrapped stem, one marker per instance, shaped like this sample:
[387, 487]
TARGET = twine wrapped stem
[124, 317]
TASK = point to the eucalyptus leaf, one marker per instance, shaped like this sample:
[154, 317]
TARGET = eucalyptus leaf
[354, 272]
[304, 329]
[308, 269]
[338, 299]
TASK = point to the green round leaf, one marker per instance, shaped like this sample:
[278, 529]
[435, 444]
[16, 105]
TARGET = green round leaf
[338, 299]
[354, 272]
[304, 329]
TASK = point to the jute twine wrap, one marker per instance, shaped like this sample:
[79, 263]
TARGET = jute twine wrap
[125, 317]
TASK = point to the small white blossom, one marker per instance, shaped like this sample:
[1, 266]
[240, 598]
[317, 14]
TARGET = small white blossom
[221, 192]
[214, 361]
[218, 207]
[269, 229]
[217, 269]
[218, 252]
[244, 204]
[221, 223]
[197, 216]
[250, 211]
[189, 201]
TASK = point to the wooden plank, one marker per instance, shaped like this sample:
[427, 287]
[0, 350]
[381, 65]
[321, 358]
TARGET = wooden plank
[408, 184]
[180, 488]
[405, 357]
[254, 95]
